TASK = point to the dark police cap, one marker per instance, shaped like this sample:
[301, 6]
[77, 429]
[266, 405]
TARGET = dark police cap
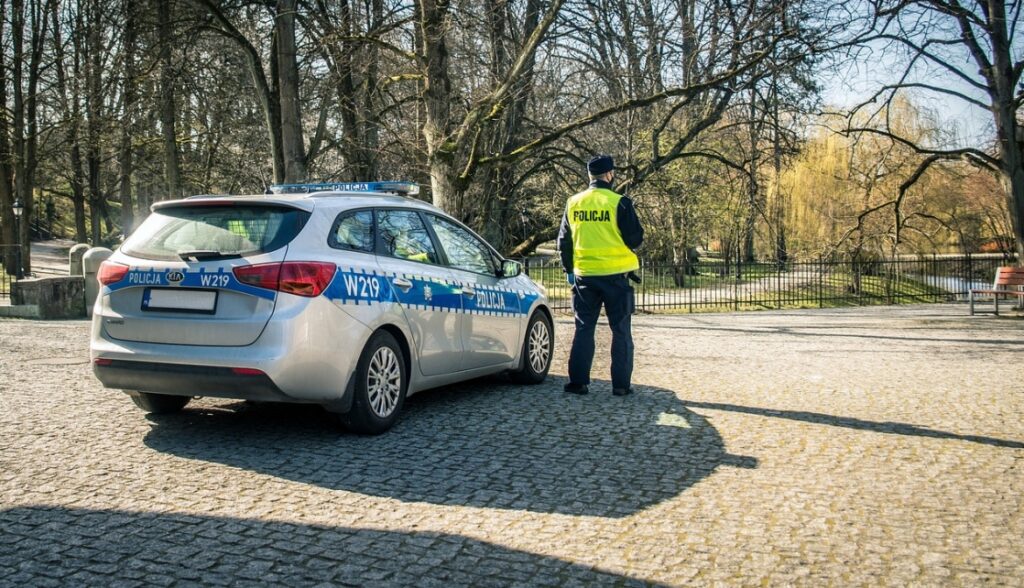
[601, 164]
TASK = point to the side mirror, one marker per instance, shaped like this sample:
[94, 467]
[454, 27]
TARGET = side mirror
[510, 268]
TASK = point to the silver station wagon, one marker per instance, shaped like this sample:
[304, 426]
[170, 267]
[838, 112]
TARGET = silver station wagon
[350, 296]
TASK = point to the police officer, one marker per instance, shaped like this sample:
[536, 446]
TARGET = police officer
[599, 232]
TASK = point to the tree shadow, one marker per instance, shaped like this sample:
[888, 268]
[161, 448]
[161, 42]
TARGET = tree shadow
[888, 427]
[484, 444]
[81, 547]
[834, 332]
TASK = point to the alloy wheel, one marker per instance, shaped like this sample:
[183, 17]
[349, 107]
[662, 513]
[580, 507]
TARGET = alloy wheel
[384, 382]
[540, 346]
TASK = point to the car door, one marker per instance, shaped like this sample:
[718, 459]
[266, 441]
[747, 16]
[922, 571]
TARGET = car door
[492, 315]
[426, 289]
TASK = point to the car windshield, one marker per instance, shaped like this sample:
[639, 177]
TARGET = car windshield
[212, 232]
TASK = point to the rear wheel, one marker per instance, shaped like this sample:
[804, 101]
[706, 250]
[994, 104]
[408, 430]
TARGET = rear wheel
[159, 403]
[538, 348]
[380, 386]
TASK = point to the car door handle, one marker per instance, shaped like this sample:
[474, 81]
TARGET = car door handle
[468, 291]
[402, 283]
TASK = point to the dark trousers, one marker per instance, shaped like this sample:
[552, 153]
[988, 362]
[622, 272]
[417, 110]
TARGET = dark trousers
[589, 293]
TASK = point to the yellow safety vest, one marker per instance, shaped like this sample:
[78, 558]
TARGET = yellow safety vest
[597, 246]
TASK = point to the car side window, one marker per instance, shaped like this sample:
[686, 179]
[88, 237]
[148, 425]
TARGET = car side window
[464, 250]
[403, 235]
[354, 231]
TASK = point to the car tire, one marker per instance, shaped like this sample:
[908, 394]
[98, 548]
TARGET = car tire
[538, 349]
[159, 403]
[380, 386]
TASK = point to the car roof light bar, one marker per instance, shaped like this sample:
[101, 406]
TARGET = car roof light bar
[401, 188]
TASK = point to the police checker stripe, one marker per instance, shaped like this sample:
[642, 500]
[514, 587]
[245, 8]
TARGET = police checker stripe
[355, 286]
[220, 279]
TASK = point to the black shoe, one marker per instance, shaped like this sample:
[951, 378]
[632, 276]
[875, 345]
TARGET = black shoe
[576, 389]
[622, 391]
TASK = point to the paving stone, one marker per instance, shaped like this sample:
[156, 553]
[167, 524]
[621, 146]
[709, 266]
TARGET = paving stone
[840, 447]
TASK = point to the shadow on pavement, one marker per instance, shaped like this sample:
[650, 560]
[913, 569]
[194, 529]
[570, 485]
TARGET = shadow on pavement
[862, 425]
[79, 547]
[833, 331]
[481, 444]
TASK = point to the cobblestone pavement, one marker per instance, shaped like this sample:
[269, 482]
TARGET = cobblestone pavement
[846, 447]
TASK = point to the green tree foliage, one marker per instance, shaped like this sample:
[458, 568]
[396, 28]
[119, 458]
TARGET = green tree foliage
[853, 194]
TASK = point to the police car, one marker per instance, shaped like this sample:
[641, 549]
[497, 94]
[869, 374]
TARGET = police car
[351, 296]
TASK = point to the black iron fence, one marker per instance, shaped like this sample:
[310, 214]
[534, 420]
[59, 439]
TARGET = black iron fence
[9, 259]
[714, 286]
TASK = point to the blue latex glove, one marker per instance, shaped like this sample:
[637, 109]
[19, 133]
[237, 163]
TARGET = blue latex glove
[571, 278]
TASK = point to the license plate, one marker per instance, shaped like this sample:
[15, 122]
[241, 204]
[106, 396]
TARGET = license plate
[180, 300]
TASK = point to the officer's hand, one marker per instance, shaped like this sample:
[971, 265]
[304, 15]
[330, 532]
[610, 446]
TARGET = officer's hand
[571, 278]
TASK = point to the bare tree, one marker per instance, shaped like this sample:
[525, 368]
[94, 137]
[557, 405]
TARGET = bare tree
[25, 111]
[269, 100]
[69, 99]
[971, 45]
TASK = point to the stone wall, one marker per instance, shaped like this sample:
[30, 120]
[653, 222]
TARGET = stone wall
[56, 298]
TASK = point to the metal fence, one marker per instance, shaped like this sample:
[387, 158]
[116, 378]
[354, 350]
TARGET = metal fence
[8, 261]
[714, 286]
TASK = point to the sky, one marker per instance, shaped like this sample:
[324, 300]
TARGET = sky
[856, 82]
[872, 66]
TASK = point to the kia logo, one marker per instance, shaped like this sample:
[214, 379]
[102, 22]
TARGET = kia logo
[175, 277]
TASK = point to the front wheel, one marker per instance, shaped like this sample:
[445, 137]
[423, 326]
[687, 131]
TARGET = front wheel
[380, 386]
[538, 349]
[159, 403]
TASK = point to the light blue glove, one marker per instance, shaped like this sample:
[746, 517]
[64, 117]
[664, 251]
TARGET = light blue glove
[571, 278]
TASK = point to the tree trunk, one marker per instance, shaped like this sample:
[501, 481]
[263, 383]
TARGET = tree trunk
[74, 130]
[69, 102]
[172, 171]
[437, 96]
[126, 152]
[342, 54]
[753, 189]
[689, 45]
[1008, 132]
[677, 232]
[1013, 184]
[781, 205]
[94, 114]
[18, 113]
[496, 213]
[288, 86]
[25, 113]
[369, 118]
[7, 235]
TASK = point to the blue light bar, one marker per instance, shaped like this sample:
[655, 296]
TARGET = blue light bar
[402, 188]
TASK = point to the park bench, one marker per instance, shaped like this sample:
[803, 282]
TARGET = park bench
[1008, 282]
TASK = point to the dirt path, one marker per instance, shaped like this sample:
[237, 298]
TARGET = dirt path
[51, 257]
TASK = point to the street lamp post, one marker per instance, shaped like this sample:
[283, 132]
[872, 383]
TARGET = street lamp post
[17, 208]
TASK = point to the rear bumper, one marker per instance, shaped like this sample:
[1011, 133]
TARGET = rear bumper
[188, 380]
[308, 353]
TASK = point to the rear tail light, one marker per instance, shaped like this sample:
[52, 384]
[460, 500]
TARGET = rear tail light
[111, 273]
[264, 275]
[302, 278]
[247, 372]
[305, 279]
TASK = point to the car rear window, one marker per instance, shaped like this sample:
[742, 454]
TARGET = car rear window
[211, 232]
